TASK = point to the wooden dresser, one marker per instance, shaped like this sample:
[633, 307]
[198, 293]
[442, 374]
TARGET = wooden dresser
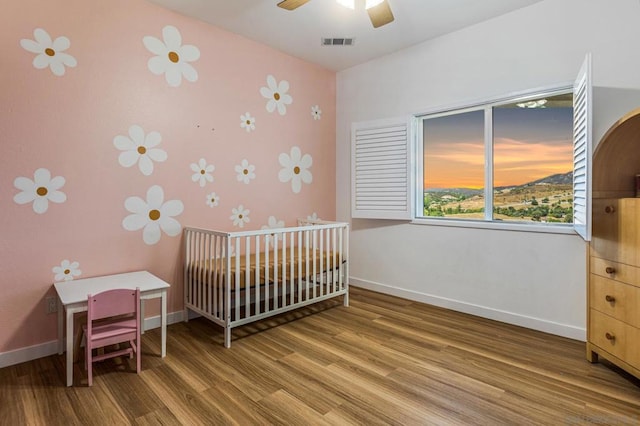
[613, 313]
[614, 283]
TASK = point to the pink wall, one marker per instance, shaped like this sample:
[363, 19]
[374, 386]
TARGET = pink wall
[67, 124]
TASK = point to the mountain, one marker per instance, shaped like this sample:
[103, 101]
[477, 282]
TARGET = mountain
[557, 179]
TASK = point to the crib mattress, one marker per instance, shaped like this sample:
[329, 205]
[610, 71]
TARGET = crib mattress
[212, 270]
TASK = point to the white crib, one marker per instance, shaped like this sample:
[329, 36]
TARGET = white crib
[234, 278]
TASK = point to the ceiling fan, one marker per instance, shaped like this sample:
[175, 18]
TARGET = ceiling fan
[379, 10]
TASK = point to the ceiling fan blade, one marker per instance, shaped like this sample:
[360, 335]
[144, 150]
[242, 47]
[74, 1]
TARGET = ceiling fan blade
[381, 14]
[291, 4]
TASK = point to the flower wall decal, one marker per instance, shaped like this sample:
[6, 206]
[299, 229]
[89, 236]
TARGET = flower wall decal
[240, 216]
[248, 122]
[67, 271]
[154, 215]
[245, 172]
[141, 149]
[40, 190]
[202, 172]
[316, 112]
[49, 53]
[172, 57]
[213, 199]
[295, 168]
[276, 95]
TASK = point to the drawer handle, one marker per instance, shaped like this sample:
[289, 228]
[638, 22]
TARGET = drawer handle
[610, 270]
[609, 298]
[610, 336]
[609, 209]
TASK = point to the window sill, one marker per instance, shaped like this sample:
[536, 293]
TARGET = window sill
[498, 225]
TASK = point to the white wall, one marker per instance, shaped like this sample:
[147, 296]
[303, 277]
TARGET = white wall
[532, 279]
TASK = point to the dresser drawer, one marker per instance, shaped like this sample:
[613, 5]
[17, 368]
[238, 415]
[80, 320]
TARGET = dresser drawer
[614, 270]
[615, 299]
[616, 230]
[615, 337]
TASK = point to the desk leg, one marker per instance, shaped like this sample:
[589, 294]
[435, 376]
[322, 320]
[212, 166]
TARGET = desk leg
[69, 348]
[60, 327]
[163, 322]
[141, 316]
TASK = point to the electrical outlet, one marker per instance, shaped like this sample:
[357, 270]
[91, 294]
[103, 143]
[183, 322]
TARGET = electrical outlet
[52, 305]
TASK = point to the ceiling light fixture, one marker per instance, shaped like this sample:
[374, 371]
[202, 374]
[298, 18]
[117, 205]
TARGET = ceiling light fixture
[351, 4]
[533, 104]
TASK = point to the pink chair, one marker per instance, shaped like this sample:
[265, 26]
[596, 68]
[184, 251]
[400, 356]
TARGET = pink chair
[113, 316]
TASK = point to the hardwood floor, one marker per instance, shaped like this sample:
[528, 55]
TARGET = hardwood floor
[383, 360]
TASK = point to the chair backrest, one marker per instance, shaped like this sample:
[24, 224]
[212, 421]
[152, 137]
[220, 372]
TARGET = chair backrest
[113, 303]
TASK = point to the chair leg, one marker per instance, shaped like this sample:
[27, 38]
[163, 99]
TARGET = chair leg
[89, 361]
[138, 356]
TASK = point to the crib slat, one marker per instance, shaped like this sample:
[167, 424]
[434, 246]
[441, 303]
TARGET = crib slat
[315, 261]
[333, 260]
[340, 256]
[275, 274]
[284, 272]
[266, 277]
[237, 278]
[306, 270]
[200, 274]
[247, 275]
[256, 288]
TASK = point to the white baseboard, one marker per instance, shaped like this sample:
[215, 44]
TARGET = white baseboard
[41, 350]
[29, 353]
[564, 330]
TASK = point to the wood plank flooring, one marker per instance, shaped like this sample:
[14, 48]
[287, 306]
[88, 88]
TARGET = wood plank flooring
[383, 360]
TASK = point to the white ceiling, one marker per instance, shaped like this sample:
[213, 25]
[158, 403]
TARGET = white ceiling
[299, 32]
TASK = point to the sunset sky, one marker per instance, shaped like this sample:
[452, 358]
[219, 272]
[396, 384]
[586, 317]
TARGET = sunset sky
[529, 144]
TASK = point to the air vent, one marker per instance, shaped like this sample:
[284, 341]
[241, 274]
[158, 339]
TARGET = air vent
[338, 41]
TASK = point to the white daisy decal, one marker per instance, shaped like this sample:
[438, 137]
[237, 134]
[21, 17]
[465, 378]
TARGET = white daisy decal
[295, 168]
[154, 215]
[173, 57]
[66, 271]
[245, 172]
[316, 112]
[40, 190]
[248, 122]
[49, 53]
[213, 199]
[240, 216]
[273, 223]
[202, 172]
[277, 96]
[141, 149]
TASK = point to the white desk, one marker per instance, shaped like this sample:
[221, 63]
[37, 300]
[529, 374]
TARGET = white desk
[72, 296]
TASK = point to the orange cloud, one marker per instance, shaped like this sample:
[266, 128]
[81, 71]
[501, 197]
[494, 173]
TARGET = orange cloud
[461, 165]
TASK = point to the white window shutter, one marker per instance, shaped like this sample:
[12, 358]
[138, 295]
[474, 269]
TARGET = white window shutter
[582, 110]
[381, 169]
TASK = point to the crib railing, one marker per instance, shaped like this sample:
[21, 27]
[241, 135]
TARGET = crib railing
[234, 278]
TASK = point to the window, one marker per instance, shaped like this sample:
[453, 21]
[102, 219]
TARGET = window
[521, 149]
[518, 161]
